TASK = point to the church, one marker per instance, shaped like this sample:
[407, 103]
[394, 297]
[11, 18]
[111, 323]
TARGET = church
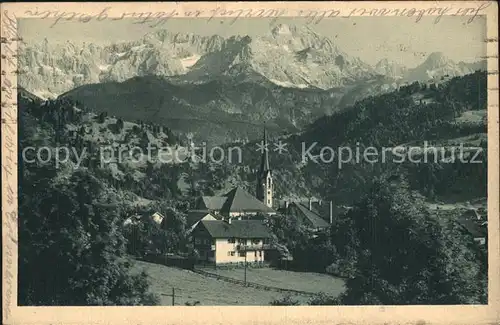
[223, 227]
[238, 202]
[220, 233]
[264, 188]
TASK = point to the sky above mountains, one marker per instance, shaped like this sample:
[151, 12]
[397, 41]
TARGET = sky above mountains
[398, 39]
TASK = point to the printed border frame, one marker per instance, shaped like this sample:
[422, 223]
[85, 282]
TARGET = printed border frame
[86, 12]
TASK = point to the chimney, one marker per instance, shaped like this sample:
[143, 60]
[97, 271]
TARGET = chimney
[331, 212]
[310, 204]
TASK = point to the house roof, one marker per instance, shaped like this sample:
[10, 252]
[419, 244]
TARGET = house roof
[471, 213]
[213, 202]
[473, 227]
[193, 216]
[314, 219]
[239, 200]
[236, 229]
[157, 217]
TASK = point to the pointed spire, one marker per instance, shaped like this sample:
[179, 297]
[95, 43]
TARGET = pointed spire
[264, 163]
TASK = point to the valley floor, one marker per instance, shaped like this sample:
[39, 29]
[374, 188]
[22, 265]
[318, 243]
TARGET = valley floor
[191, 287]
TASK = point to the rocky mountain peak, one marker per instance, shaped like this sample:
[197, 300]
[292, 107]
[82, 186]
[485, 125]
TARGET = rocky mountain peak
[282, 29]
[437, 59]
[299, 33]
[288, 55]
[390, 68]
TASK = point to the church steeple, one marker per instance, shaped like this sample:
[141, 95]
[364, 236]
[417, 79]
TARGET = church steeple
[264, 190]
[264, 161]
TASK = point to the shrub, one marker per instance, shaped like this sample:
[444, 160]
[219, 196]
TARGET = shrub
[285, 301]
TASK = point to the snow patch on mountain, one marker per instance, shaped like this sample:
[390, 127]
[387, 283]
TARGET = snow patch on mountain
[104, 67]
[189, 61]
[287, 84]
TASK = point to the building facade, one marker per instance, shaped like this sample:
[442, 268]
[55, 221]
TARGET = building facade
[231, 241]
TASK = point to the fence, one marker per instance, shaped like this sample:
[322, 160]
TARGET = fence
[171, 295]
[175, 295]
[252, 284]
[170, 260]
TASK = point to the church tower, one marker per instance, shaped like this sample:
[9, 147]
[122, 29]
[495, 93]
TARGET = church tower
[264, 190]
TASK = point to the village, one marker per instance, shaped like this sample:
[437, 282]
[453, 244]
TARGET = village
[231, 240]
[231, 229]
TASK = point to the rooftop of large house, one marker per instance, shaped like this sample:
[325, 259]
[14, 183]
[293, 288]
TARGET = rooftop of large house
[235, 201]
[239, 200]
[235, 229]
[315, 212]
[313, 219]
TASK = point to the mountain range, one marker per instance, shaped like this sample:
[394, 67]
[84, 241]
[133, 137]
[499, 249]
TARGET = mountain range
[287, 56]
[220, 88]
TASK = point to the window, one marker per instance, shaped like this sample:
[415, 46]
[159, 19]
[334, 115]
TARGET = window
[255, 241]
[197, 241]
[260, 253]
[231, 253]
[231, 241]
[255, 254]
[242, 254]
[242, 241]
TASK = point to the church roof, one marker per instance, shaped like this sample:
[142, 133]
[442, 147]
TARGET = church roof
[239, 200]
[213, 202]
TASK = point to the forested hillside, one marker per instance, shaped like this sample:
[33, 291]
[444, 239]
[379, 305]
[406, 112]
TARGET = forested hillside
[444, 114]
[72, 209]
[55, 195]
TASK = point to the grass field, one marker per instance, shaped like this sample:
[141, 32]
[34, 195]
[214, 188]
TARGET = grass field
[191, 287]
[301, 281]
